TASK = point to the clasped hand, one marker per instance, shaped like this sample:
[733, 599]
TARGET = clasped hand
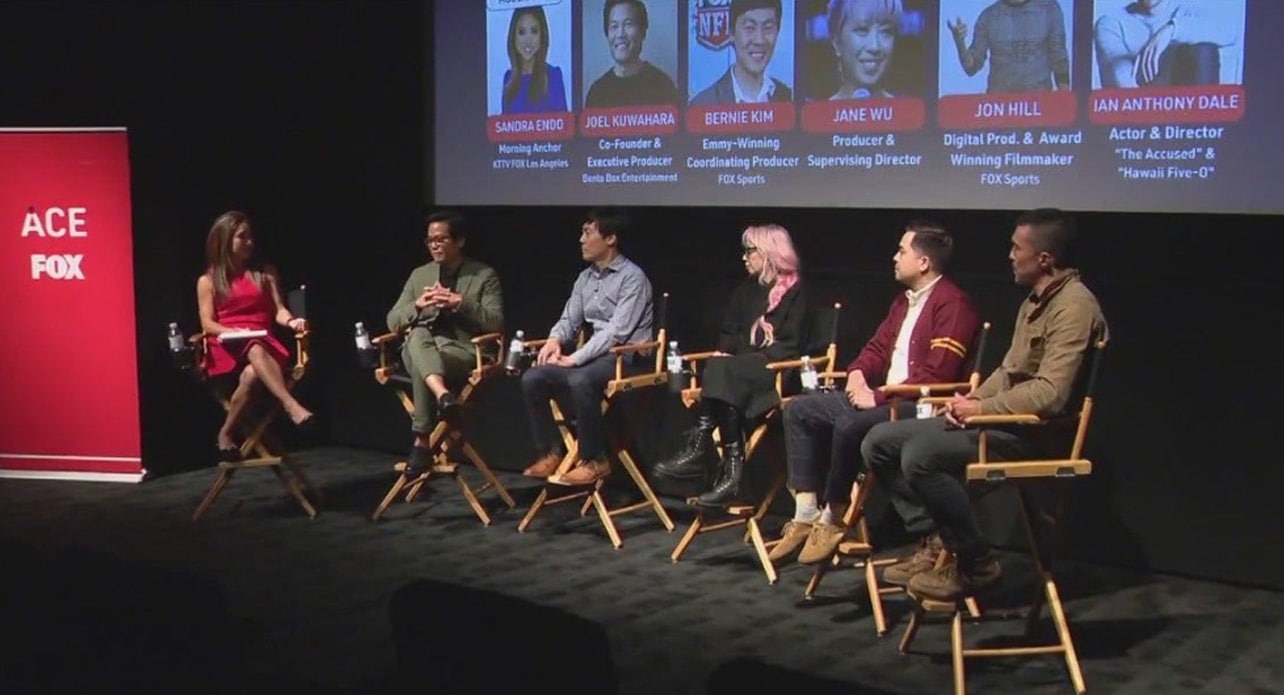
[551, 353]
[959, 409]
[438, 297]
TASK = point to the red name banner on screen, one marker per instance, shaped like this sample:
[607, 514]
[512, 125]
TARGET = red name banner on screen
[864, 115]
[1150, 105]
[532, 127]
[741, 118]
[633, 120]
[1017, 109]
[70, 366]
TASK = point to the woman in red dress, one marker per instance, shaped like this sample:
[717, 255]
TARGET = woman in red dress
[237, 295]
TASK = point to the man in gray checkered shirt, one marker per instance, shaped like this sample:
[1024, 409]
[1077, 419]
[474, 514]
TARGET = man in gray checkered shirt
[1025, 41]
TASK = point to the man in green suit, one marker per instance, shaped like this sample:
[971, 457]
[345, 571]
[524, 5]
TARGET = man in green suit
[444, 305]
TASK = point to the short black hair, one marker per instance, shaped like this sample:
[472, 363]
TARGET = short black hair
[739, 7]
[932, 240]
[637, 5]
[610, 221]
[1052, 231]
[454, 223]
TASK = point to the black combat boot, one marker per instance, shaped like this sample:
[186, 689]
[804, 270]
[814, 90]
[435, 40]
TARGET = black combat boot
[692, 461]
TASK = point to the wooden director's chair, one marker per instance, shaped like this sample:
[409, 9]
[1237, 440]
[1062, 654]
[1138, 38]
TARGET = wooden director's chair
[742, 514]
[446, 437]
[259, 449]
[555, 491]
[1042, 545]
[859, 546]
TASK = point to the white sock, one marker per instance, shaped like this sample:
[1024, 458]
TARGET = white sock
[827, 515]
[805, 507]
[832, 515]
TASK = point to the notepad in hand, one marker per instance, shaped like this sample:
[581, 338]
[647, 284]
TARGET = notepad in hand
[241, 335]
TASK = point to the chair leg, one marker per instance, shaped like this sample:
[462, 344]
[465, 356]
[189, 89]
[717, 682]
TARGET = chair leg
[760, 547]
[604, 515]
[295, 490]
[473, 502]
[956, 652]
[911, 628]
[685, 542]
[225, 474]
[389, 498]
[480, 464]
[647, 492]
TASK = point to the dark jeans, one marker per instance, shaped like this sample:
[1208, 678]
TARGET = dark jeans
[823, 433]
[579, 392]
[1188, 64]
[921, 462]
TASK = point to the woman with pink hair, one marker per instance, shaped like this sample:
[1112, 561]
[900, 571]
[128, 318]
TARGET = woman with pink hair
[763, 323]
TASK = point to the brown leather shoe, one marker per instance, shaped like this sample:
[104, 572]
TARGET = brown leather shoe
[822, 543]
[544, 466]
[792, 537]
[585, 473]
[922, 560]
[953, 580]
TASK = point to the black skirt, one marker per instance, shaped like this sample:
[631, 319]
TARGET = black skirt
[743, 381]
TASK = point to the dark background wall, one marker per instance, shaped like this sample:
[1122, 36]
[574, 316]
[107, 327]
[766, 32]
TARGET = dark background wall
[309, 116]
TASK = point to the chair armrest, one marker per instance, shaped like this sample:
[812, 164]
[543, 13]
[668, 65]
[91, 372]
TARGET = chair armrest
[918, 389]
[833, 375]
[635, 347]
[1018, 419]
[302, 335]
[198, 338]
[385, 338]
[818, 362]
[486, 337]
[534, 344]
[699, 356]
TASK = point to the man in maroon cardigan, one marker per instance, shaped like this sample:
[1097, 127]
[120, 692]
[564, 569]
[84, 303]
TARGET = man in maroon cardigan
[924, 339]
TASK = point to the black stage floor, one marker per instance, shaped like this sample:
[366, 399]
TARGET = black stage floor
[108, 586]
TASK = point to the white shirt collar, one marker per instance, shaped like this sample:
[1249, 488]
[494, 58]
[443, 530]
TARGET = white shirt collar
[916, 297]
[763, 95]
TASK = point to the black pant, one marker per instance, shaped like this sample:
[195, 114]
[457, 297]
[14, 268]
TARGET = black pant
[823, 433]
[579, 392]
[921, 462]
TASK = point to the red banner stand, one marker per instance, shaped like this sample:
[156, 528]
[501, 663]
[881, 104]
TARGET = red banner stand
[69, 367]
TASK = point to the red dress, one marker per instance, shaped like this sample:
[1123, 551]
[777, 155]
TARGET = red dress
[245, 307]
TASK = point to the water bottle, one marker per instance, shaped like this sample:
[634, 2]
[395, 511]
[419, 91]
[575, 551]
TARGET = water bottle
[673, 358]
[516, 350]
[365, 349]
[175, 338]
[179, 356]
[923, 410]
[810, 379]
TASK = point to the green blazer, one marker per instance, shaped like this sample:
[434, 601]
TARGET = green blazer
[480, 311]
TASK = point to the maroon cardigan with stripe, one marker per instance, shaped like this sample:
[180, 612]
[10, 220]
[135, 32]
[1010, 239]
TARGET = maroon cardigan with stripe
[941, 340]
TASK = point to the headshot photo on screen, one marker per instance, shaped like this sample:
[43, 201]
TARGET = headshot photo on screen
[528, 59]
[1167, 43]
[630, 53]
[1005, 46]
[861, 49]
[742, 52]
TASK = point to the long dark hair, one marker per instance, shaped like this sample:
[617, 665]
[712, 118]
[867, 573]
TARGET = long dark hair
[218, 252]
[539, 68]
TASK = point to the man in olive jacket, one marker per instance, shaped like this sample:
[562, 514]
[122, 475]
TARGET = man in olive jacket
[443, 306]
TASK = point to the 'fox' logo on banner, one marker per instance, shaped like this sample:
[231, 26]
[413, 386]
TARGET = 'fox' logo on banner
[712, 22]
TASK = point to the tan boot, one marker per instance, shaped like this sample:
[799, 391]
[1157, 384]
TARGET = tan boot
[822, 543]
[922, 560]
[954, 581]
